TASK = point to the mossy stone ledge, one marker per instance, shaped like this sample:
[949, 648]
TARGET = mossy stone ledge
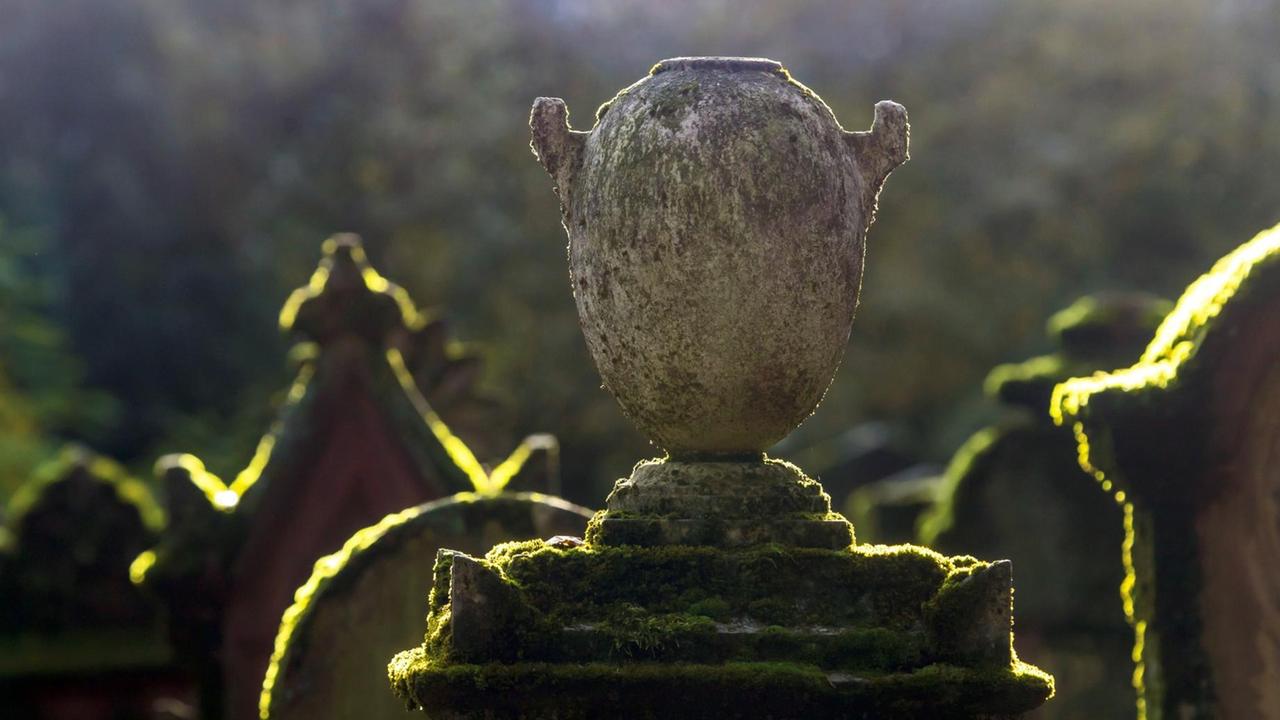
[537, 630]
[726, 503]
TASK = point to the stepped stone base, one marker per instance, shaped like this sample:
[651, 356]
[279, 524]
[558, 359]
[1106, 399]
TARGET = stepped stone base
[541, 630]
[758, 691]
[722, 503]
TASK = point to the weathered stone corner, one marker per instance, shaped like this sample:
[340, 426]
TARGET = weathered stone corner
[484, 611]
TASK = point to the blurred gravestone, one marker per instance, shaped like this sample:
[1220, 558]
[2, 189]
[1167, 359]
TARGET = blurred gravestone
[887, 511]
[1015, 491]
[355, 440]
[364, 603]
[864, 454]
[1188, 439]
[77, 640]
[447, 373]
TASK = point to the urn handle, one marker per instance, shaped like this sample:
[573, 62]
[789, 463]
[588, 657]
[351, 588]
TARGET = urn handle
[882, 148]
[556, 146]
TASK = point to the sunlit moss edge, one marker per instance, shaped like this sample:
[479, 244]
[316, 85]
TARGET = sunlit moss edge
[323, 571]
[1043, 368]
[939, 517]
[428, 439]
[128, 489]
[373, 281]
[460, 464]
[460, 467]
[1180, 335]
[484, 481]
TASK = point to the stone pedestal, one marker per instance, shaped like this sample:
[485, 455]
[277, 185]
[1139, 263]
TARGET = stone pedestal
[535, 630]
[720, 503]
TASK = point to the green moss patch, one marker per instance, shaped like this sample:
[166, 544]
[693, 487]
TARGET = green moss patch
[875, 628]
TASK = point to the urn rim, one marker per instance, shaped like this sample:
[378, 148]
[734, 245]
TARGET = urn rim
[726, 63]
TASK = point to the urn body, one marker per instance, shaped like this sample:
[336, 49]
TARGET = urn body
[717, 215]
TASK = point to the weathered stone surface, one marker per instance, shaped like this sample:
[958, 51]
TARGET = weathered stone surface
[716, 216]
[874, 631]
[485, 612]
[724, 503]
[969, 621]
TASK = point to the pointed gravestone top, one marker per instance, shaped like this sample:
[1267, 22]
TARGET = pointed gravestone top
[346, 296]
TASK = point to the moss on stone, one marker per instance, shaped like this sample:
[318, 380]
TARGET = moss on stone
[1172, 354]
[821, 586]
[882, 616]
[731, 690]
[720, 502]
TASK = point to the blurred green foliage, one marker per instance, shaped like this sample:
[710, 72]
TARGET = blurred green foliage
[42, 395]
[184, 158]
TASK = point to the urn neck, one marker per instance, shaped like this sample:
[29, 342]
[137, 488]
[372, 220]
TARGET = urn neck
[728, 64]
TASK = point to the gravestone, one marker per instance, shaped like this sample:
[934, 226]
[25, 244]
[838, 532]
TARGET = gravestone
[77, 640]
[887, 511]
[364, 603]
[1187, 440]
[354, 441]
[1014, 491]
[716, 216]
[447, 373]
[863, 455]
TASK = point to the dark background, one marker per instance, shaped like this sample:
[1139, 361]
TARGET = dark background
[168, 169]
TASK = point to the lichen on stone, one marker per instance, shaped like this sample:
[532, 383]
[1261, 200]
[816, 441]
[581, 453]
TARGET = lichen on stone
[898, 614]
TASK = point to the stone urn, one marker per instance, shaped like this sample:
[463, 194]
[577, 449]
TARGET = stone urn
[717, 216]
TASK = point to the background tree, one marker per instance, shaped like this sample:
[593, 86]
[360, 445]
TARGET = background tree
[184, 159]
